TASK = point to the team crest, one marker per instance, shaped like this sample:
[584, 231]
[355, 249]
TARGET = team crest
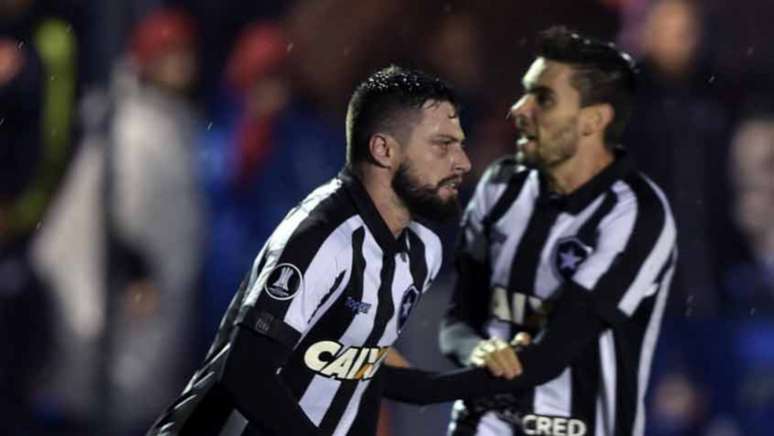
[284, 282]
[407, 303]
[569, 255]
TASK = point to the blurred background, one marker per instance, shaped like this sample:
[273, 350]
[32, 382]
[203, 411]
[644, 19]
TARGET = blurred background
[148, 147]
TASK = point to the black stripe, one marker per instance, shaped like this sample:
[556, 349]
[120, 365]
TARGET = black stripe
[386, 310]
[328, 294]
[417, 261]
[589, 231]
[628, 342]
[628, 345]
[586, 385]
[525, 262]
[505, 201]
[333, 323]
[648, 225]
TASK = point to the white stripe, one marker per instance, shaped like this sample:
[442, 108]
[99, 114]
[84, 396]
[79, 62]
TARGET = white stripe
[606, 400]
[515, 222]
[480, 205]
[644, 284]
[617, 227]
[319, 395]
[333, 257]
[555, 397]
[351, 411]
[647, 350]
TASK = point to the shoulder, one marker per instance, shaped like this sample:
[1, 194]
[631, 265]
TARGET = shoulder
[503, 175]
[638, 194]
[503, 170]
[317, 219]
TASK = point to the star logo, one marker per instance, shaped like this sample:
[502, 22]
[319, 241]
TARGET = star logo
[569, 255]
[407, 303]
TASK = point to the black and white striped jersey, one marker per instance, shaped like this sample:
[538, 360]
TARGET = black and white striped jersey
[342, 287]
[521, 244]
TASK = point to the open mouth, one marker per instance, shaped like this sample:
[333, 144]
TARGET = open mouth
[525, 139]
[452, 184]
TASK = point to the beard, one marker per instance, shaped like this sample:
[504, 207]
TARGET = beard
[424, 200]
[558, 148]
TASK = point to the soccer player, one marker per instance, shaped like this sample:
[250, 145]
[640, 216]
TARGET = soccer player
[333, 286]
[568, 243]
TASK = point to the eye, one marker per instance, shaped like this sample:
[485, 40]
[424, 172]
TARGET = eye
[544, 99]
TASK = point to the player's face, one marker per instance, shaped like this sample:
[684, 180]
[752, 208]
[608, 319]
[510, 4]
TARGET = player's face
[547, 115]
[433, 163]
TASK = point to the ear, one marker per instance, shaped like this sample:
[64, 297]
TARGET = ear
[383, 149]
[596, 118]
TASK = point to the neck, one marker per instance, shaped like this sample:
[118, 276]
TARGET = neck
[392, 210]
[570, 175]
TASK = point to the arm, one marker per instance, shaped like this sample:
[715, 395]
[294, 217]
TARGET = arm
[573, 325]
[250, 378]
[461, 328]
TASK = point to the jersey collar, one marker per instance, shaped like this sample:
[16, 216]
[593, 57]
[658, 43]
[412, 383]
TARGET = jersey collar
[583, 196]
[374, 221]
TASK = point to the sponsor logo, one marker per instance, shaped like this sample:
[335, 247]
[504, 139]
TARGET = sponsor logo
[553, 426]
[569, 255]
[407, 303]
[284, 282]
[334, 360]
[357, 306]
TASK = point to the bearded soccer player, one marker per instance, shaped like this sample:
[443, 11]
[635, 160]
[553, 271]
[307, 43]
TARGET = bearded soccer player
[331, 289]
[569, 243]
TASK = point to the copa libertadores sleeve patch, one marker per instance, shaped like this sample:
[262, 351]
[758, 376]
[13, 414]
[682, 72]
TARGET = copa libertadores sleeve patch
[284, 282]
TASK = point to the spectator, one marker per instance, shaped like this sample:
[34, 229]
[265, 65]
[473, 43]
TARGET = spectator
[127, 295]
[749, 283]
[259, 162]
[679, 122]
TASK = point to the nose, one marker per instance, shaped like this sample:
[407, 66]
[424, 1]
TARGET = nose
[462, 163]
[521, 110]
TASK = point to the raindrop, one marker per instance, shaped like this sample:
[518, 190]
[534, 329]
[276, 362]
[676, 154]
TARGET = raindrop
[752, 311]
[53, 77]
[20, 45]
[750, 50]
[711, 79]
[209, 126]
[2, 121]
[290, 47]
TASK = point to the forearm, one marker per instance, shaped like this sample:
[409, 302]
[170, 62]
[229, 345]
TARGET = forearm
[457, 340]
[573, 326]
[250, 377]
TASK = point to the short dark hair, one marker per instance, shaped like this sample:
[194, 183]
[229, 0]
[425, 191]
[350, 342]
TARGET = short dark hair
[381, 103]
[602, 73]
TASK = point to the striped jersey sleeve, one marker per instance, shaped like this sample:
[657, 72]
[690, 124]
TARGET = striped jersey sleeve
[489, 191]
[298, 267]
[637, 246]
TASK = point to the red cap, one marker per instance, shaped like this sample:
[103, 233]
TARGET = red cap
[160, 32]
[260, 50]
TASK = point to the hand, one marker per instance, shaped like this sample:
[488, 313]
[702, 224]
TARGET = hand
[497, 356]
[521, 340]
